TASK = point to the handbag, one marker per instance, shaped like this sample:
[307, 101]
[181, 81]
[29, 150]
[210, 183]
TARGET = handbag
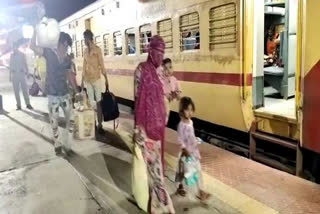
[109, 106]
[34, 90]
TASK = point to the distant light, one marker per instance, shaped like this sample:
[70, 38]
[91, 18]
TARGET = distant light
[27, 31]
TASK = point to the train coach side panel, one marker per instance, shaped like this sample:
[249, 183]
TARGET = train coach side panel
[311, 70]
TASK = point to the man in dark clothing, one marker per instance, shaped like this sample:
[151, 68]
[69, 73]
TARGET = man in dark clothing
[58, 75]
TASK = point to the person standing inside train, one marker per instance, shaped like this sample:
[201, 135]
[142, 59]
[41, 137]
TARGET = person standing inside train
[58, 75]
[93, 67]
[18, 72]
[150, 126]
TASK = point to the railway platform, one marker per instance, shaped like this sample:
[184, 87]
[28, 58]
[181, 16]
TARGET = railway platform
[245, 185]
[96, 179]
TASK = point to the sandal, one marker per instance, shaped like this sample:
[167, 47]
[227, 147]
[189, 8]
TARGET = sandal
[181, 191]
[204, 196]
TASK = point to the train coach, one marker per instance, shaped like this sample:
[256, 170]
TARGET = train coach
[218, 48]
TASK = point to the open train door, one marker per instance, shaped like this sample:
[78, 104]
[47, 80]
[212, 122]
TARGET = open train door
[310, 73]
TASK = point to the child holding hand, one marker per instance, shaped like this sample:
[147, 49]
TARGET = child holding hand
[189, 152]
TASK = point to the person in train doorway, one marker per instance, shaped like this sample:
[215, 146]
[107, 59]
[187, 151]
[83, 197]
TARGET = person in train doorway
[93, 67]
[18, 72]
[41, 70]
[149, 133]
[58, 75]
[272, 41]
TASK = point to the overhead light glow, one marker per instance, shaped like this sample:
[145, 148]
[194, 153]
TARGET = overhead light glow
[27, 31]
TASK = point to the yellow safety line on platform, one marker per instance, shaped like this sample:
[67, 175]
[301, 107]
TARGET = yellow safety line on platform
[227, 194]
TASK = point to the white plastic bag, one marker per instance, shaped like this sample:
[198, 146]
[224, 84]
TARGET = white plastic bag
[140, 186]
[48, 33]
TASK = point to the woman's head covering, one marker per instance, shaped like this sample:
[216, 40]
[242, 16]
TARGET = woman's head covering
[156, 51]
[149, 105]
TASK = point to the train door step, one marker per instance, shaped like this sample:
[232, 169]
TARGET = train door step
[277, 125]
[255, 134]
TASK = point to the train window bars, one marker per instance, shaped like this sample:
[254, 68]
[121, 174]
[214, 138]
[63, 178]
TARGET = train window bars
[165, 31]
[130, 41]
[145, 37]
[117, 43]
[77, 49]
[189, 32]
[82, 47]
[223, 26]
[106, 44]
[97, 41]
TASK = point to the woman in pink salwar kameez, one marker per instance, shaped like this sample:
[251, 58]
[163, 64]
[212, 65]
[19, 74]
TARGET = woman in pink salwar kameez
[150, 122]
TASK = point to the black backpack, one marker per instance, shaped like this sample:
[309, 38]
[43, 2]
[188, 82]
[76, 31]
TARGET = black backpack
[109, 106]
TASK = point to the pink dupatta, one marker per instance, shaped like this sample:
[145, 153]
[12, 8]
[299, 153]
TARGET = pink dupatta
[149, 104]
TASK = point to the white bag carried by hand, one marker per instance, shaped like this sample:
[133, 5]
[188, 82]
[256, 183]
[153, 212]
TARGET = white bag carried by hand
[48, 33]
[139, 176]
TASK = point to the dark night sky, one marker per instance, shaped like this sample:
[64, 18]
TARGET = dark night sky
[57, 9]
[60, 9]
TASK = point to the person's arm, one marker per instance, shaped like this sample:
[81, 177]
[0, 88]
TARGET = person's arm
[137, 74]
[181, 137]
[25, 64]
[103, 70]
[72, 79]
[84, 67]
[178, 90]
[33, 46]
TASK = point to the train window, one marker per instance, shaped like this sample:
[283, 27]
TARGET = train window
[145, 37]
[106, 44]
[102, 12]
[69, 26]
[165, 31]
[77, 49]
[189, 32]
[131, 41]
[223, 26]
[117, 43]
[76, 23]
[82, 47]
[97, 41]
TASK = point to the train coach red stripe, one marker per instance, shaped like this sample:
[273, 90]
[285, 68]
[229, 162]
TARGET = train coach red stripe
[201, 77]
[213, 78]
